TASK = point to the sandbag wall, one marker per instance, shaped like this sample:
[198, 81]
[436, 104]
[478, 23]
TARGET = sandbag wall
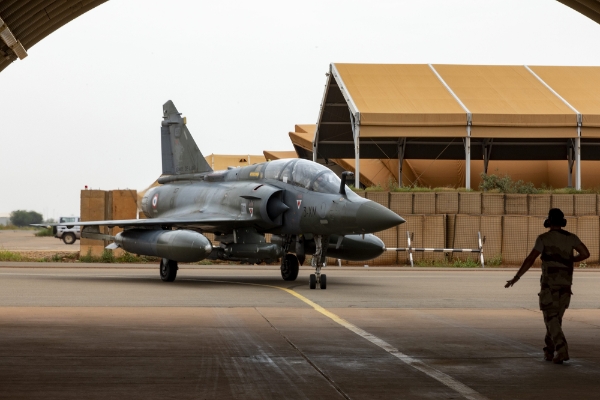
[509, 222]
[99, 205]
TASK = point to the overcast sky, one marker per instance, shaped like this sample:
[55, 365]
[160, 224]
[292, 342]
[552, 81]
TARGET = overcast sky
[85, 107]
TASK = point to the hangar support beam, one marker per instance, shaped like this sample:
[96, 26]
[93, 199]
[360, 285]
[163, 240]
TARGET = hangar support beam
[10, 40]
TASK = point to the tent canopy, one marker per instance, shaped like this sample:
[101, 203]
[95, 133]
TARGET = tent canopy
[459, 112]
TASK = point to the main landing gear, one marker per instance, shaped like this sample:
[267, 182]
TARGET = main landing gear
[168, 270]
[318, 262]
[289, 267]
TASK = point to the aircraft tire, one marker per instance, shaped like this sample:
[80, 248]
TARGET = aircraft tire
[312, 281]
[168, 270]
[69, 238]
[289, 267]
[323, 281]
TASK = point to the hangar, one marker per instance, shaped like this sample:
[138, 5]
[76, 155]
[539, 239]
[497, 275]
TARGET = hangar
[25, 23]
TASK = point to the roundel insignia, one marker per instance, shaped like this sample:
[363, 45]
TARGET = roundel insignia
[155, 200]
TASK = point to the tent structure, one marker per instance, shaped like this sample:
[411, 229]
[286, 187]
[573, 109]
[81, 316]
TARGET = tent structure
[460, 112]
[445, 173]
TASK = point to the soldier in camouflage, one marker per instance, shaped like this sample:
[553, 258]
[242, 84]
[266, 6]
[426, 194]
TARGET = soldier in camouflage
[556, 248]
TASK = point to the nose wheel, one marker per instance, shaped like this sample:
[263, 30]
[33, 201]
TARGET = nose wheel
[317, 278]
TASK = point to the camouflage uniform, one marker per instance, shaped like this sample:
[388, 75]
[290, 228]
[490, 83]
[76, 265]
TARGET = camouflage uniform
[556, 247]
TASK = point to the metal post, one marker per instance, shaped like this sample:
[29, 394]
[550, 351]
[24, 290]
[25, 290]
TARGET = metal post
[401, 148]
[487, 150]
[468, 158]
[410, 251]
[578, 160]
[481, 242]
[570, 163]
[315, 148]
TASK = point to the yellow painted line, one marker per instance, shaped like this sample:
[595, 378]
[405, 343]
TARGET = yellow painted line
[419, 365]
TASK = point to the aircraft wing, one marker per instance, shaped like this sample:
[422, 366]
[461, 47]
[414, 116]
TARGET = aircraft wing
[202, 221]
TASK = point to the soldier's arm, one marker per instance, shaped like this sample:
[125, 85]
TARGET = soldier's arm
[524, 267]
[582, 253]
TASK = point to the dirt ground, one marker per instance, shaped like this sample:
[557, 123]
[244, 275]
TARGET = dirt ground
[26, 243]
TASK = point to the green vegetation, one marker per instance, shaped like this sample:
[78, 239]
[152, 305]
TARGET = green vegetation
[108, 257]
[59, 257]
[25, 218]
[449, 263]
[6, 255]
[494, 261]
[44, 232]
[375, 188]
[504, 184]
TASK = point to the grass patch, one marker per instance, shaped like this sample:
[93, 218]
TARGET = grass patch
[494, 261]
[375, 188]
[6, 255]
[108, 257]
[44, 232]
[449, 263]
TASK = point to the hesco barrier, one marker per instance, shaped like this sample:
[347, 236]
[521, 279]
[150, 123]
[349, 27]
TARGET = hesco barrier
[509, 222]
[99, 205]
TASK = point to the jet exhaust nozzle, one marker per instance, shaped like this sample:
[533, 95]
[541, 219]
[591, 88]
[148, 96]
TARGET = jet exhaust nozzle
[180, 245]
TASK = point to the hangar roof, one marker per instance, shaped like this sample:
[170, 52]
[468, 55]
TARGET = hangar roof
[589, 8]
[29, 21]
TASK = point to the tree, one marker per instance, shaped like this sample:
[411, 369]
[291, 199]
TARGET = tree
[25, 218]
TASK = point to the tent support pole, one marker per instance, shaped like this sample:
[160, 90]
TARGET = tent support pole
[570, 162]
[487, 151]
[468, 158]
[355, 121]
[578, 159]
[357, 159]
[401, 148]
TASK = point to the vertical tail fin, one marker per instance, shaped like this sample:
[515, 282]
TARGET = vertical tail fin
[180, 154]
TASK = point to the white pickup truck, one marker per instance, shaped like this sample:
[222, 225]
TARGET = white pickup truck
[68, 233]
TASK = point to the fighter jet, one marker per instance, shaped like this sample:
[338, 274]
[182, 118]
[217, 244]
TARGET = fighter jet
[305, 207]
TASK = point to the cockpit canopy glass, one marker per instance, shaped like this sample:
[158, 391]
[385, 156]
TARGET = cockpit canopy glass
[304, 173]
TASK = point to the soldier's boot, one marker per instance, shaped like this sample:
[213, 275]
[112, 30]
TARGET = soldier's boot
[548, 354]
[549, 349]
[562, 353]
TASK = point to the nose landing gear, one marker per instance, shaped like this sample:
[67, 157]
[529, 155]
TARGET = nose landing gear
[318, 262]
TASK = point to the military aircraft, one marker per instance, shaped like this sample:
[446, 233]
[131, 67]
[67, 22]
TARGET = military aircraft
[306, 207]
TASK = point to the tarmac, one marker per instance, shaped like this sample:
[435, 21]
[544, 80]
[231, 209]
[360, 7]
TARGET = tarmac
[234, 332]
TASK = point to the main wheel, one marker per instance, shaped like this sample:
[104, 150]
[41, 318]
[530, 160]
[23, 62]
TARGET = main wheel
[323, 282]
[312, 281]
[69, 238]
[168, 270]
[289, 267]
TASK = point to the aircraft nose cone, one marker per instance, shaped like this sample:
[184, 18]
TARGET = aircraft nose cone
[373, 217]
